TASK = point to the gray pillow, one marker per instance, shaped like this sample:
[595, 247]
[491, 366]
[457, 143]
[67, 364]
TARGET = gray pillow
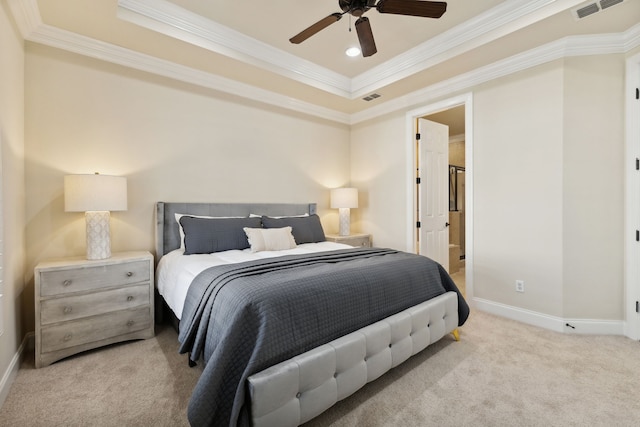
[208, 235]
[306, 229]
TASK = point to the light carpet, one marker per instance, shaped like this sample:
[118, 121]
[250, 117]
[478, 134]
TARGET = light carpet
[501, 373]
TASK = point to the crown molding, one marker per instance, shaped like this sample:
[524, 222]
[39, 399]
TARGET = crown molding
[174, 21]
[602, 44]
[501, 20]
[27, 17]
[457, 138]
[71, 42]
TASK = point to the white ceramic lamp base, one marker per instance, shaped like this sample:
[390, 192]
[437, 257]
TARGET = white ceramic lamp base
[98, 234]
[345, 221]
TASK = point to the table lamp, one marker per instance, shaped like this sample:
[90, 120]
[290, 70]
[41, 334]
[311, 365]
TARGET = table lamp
[96, 195]
[344, 199]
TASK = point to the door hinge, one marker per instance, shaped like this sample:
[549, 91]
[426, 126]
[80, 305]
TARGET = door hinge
[417, 137]
[637, 235]
[418, 225]
[637, 164]
[637, 306]
[637, 93]
[418, 180]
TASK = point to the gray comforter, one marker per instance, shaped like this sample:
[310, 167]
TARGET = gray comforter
[243, 318]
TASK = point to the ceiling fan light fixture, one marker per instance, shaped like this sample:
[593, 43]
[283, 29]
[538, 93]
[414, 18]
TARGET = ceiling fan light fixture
[352, 51]
[357, 8]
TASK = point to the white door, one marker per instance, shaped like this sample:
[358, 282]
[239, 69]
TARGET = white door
[433, 191]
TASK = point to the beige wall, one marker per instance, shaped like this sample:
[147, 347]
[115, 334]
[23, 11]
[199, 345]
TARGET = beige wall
[593, 180]
[12, 154]
[547, 185]
[174, 142]
[456, 153]
[378, 167]
[517, 184]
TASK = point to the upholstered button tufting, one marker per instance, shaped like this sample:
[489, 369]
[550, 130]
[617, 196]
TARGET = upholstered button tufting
[354, 360]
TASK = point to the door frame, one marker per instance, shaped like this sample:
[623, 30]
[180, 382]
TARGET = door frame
[632, 200]
[411, 117]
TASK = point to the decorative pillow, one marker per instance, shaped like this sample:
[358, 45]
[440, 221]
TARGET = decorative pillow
[208, 235]
[272, 239]
[305, 229]
[179, 215]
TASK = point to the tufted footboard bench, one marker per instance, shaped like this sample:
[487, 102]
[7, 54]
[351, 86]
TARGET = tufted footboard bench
[299, 389]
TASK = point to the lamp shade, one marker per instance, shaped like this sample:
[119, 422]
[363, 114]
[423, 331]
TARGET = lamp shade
[95, 193]
[344, 198]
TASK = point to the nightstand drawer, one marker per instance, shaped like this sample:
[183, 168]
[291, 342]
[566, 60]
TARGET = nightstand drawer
[78, 306]
[95, 328]
[57, 282]
[363, 240]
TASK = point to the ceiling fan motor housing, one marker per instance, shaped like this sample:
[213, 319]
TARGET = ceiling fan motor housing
[356, 7]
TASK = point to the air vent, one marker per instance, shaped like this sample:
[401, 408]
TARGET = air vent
[371, 97]
[608, 3]
[588, 9]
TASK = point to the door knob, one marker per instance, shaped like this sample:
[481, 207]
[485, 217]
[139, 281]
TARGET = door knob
[446, 224]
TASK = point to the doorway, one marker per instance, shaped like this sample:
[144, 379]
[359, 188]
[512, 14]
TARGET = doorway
[457, 114]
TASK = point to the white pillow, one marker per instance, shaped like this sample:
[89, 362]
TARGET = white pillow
[179, 215]
[270, 239]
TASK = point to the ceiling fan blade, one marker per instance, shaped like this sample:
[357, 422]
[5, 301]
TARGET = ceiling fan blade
[365, 36]
[320, 25]
[422, 8]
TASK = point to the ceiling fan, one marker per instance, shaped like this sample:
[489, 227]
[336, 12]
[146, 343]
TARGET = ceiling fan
[357, 8]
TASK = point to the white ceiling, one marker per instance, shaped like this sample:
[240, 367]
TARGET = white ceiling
[242, 47]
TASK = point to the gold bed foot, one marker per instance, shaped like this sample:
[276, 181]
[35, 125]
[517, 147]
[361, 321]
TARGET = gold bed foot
[456, 334]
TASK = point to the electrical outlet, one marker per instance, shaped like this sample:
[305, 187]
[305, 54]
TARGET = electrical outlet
[519, 285]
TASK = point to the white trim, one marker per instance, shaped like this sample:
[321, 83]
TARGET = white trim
[632, 200]
[456, 138]
[62, 39]
[12, 370]
[174, 21]
[27, 17]
[554, 323]
[469, 171]
[410, 162]
[497, 22]
[566, 47]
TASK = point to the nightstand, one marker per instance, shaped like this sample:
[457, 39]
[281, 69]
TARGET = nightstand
[82, 304]
[363, 240]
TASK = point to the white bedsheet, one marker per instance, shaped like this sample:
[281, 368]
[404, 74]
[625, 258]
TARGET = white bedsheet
[175, 270]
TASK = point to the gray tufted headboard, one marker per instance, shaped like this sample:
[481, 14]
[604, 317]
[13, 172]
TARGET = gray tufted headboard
[168, 235]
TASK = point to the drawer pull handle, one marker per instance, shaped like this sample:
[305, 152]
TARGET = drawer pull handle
[129, 273]
[130, 323]
[67, 337]
[66, 282]
[67, 310]
[130, 298]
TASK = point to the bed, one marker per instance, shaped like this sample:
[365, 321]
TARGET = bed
[285, 323]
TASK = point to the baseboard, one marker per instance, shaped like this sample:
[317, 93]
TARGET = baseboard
[554, 323]
[12, 371]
